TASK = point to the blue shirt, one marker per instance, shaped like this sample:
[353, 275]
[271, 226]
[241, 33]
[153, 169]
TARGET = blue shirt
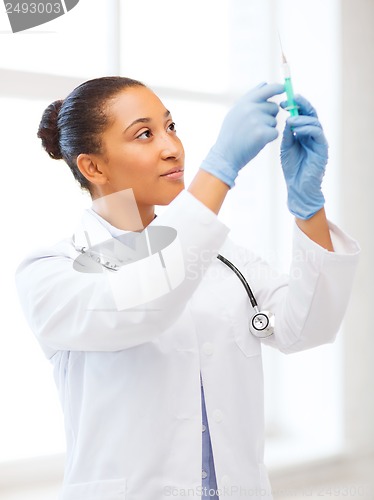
[209, 482]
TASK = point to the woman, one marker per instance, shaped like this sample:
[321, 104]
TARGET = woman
[162, 387]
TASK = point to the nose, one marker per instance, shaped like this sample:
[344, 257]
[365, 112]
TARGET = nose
[171, 147]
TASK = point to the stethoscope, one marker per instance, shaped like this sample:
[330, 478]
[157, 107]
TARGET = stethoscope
[261, 323]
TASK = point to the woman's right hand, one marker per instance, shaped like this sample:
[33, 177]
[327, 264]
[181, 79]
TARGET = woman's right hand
[245, 130]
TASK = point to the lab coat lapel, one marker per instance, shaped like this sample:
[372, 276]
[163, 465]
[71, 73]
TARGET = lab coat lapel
[90, 232]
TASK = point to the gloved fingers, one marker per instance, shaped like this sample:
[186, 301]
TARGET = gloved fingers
[312, 138]
[295, 131]
[271, 134]
[268, 120]
[263, 92]
[305, 108]
[270, 108]
[303, 105]
[284, 105]
[264, 127]
[307, 127]
[301, 120]
[288, 138]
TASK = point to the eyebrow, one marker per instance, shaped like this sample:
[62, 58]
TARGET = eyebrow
[145, 120]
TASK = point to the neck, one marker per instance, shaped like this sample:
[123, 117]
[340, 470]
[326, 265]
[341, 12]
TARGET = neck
[121, 211]
[147, 214]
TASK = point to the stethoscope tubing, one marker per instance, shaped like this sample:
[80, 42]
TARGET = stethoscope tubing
[241, 277]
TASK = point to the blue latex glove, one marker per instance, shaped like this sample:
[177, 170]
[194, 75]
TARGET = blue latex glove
[246, 129]
[304, 158]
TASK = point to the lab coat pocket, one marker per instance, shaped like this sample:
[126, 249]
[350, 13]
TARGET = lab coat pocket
[240, 313]
[247, 343]
[234, 311]
[110, 489]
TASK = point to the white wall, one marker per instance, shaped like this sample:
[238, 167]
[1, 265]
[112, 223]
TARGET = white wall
[357, 186]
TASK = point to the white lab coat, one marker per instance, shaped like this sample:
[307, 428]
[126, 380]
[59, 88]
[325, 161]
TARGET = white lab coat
[129, 380]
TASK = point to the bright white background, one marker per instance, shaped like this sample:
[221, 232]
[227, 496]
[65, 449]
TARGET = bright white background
[199, 56]
[198, 76]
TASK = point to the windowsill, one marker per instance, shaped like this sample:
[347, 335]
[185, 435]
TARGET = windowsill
[37, 470]
[338, 476]
[287, 452]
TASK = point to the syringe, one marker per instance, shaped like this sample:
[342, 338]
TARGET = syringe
[291, 106]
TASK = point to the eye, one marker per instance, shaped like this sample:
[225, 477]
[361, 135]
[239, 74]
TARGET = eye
[171, 127]
[144, 135]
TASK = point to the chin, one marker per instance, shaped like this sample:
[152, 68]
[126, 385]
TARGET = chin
[168, 197]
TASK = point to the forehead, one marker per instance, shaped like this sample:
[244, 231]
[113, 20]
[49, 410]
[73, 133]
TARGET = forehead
[134, 103]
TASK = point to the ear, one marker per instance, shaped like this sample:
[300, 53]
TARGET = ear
[90, 168]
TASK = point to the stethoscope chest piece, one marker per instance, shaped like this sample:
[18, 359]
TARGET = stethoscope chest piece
[262, 324]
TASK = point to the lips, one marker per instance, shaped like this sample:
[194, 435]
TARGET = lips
[174, 174]
[173, 171]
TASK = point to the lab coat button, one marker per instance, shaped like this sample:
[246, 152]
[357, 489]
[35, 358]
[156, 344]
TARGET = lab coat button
[218, 415]
[204, 474]
[204, 428]
[208, 348]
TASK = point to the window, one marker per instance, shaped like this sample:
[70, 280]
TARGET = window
[199, 57]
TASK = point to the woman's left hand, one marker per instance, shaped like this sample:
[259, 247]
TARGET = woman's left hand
[304, 158]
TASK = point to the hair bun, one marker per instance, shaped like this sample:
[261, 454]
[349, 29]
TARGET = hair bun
[48, 130]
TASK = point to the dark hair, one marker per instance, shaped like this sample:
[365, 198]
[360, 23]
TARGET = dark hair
[73, 126]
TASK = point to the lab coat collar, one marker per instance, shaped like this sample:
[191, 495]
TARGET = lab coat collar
[90, 232]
